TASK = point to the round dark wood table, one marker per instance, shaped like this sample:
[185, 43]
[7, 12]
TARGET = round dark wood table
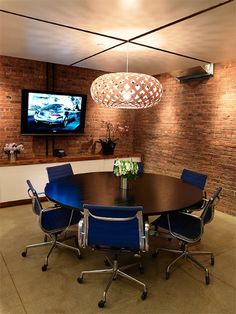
[157, 194]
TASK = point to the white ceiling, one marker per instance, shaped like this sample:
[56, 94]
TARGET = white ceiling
[51, 31]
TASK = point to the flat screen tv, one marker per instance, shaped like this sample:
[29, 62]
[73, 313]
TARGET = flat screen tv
[52, 113]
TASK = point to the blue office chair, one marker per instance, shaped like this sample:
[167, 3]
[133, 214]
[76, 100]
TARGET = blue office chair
[56, 172]
[117, 229]
[197, 179]
[188, 229]
[53, 221]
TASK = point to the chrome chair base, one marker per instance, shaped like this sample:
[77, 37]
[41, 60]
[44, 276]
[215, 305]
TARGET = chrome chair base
[115, 272]
[54, 243]
[185, 254]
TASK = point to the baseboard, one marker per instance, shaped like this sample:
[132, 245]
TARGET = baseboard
[19, 202]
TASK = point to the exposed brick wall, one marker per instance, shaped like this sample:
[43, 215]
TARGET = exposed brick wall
[17, 74]
[194, 127]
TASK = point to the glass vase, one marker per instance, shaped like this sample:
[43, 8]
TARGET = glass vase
[12, 157]
[124, 183]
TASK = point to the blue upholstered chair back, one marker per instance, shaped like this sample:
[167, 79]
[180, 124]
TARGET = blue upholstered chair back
[113, 227]
[140, 167]
[60, 171]
[36, 204]
[208, 212]
[194, 178]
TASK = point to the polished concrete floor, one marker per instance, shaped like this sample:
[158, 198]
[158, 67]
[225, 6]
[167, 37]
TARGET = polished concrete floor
[24, 288]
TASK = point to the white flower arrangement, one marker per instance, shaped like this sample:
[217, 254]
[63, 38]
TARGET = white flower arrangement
[13, 148]
[126, 168]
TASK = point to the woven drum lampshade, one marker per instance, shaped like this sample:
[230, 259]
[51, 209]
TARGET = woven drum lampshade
[126, 90]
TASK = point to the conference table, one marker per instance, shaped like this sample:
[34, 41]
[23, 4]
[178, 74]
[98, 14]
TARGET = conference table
[157, 194]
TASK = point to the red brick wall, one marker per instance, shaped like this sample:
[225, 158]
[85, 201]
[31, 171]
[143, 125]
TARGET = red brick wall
[17, 74]
[194, 127]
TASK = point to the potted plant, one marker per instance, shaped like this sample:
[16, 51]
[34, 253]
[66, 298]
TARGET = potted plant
[112, 131]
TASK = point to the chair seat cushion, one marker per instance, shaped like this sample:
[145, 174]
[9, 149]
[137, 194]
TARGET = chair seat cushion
[58, 219]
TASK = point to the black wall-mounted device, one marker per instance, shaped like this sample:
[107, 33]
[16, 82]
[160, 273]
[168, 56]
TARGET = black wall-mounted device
[59, 152]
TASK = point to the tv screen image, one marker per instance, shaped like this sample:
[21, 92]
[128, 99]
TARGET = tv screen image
[52, 113]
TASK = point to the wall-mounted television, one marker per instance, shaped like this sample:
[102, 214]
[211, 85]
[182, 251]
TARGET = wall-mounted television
[52, 113]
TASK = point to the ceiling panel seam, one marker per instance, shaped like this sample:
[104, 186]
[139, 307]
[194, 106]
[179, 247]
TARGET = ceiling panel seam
[131, 40]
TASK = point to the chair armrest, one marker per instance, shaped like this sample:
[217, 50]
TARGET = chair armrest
[205, 200]
[50, 208]
[81, 234]
[40, 193]
[145, 237]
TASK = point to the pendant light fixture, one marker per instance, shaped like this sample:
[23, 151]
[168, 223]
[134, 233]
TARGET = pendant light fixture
[126, 90]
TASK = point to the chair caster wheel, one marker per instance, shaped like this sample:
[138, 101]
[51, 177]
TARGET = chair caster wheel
[23, 254]
[167, 275]
[44, 267]
[207, 280]
[144, 295]
[80, 280]
[212, 261]
[101, 303]
[79, 256]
